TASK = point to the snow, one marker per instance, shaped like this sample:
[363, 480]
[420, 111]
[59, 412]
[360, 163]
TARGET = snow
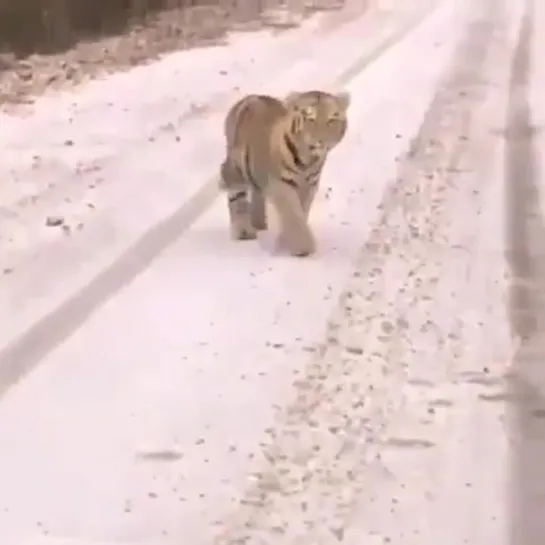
[143, 424]
[155, 186]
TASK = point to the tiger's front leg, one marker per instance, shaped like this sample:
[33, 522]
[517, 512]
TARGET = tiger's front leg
[306, 196]
[308, 190]
[295, 232]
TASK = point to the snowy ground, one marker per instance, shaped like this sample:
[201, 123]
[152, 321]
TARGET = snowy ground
[162, 384]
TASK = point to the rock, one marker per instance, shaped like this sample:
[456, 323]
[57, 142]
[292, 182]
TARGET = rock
[54, 221]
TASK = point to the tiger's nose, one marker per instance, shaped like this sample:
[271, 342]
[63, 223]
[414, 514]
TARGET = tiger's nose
[317, 147]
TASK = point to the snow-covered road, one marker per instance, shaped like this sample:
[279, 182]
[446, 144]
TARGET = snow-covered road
[161, 384]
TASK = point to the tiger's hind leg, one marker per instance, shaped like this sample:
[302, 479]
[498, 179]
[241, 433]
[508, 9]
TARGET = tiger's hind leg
[237, 201]
[295, 233]
[258, 210]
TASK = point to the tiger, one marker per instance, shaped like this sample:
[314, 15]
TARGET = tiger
[276, 150]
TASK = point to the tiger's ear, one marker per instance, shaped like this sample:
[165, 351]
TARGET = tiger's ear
[292, 98]
[343, 98]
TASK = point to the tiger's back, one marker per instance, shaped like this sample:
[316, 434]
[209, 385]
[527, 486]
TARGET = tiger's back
[278, 149]
[248, 128]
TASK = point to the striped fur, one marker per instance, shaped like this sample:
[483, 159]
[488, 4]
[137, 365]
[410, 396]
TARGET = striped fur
[276, 150]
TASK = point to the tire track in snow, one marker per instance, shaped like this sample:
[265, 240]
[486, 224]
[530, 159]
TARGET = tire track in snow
[22, 355]
[525, 237]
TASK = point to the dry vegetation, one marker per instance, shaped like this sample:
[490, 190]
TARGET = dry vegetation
[51, 43]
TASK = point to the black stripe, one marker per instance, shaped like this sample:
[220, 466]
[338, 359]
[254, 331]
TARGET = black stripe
[237, 196]
[313, 176]
[315, 169]
[294, 129]
[289, 181]
[297, 161]
[289, 168]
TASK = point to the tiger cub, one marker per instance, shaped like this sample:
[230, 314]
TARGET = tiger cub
[277, 150]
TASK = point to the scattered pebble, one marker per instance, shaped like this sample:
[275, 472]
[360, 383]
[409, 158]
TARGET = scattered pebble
[54, 221]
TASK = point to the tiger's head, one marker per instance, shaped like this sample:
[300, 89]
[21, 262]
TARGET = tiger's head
[318, 120]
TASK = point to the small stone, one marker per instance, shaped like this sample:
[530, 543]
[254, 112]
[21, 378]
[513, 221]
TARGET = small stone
[54, 221]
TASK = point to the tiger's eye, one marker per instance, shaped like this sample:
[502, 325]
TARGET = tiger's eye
[310, 113]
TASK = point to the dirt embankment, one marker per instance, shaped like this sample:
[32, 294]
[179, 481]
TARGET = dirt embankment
[71, 56]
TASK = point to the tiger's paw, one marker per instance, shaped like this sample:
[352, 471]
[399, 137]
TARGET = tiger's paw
[260, 224]
[300, 245]
[247, 232]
